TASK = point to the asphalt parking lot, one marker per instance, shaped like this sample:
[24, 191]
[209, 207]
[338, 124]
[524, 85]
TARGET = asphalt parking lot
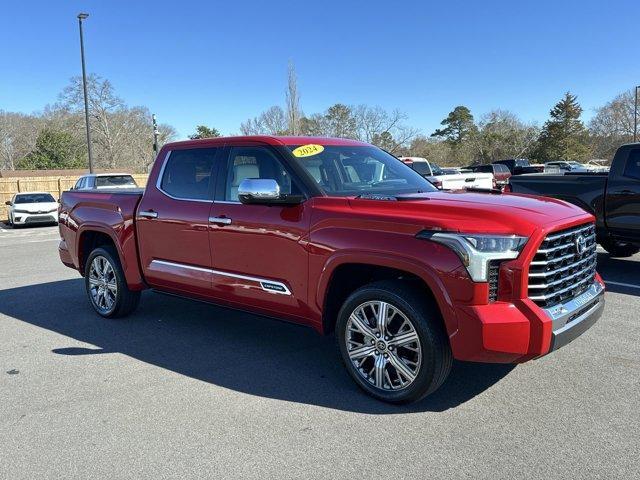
[186, 390]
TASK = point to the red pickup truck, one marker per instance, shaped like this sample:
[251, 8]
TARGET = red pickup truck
[340, 236]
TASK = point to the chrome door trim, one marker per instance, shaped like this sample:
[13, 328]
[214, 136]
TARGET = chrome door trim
[159, 184]
[271, 286]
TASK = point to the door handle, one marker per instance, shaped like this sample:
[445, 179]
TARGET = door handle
[625, 192]
[148, 214]
[220, 220]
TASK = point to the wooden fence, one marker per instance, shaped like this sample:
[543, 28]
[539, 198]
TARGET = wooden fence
[54, 185]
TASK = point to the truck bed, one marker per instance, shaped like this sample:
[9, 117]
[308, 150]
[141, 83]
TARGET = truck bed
[102, 212]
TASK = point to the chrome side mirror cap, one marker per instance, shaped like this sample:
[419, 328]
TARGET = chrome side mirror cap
[257, 190]
[266, 191]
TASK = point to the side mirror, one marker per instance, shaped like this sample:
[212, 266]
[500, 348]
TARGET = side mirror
[8, 202]
[265, 191]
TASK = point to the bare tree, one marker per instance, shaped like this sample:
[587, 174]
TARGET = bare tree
[501, 134]
[18, 133]
[104, 108]
[612, 125]
[292, 99]
[270, 122]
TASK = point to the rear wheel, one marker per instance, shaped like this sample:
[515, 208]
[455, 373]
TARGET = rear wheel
[616, 248]
[392, 342]
[106, 286]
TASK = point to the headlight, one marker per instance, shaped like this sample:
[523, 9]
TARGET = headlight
[476, 251]
[20, 211]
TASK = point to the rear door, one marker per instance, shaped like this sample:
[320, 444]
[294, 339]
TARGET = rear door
[259, 253]
[623, 195]
[173, 222]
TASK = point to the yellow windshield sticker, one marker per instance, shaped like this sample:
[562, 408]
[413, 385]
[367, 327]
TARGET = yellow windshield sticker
[307, 150]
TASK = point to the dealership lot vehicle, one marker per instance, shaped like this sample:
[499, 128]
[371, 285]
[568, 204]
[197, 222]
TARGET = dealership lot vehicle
[448, 179]
[501, 174]
[519, 166]
[562, 166]
[30, 208]
[338, 235]
[613, 197]
[192, 391]
[105, 181]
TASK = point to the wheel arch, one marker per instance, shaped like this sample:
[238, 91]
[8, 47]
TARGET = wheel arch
[92, 236]
[345, 273]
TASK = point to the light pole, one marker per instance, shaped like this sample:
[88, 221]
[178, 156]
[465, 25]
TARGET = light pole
[82, 16]
[635, 116]
[155, 134]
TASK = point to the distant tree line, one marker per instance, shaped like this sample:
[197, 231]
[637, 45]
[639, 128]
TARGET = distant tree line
[56, 138]
[461, 140]
[121, 135]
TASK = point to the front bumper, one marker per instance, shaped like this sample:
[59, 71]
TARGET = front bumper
[576, 316]
[503, 332]
[35, 218]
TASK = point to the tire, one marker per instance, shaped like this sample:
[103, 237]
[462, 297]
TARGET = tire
[9, 221]
[428, 359]
[116, 300]
[617, 248]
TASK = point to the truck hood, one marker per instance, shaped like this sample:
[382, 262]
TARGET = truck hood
[475, 212]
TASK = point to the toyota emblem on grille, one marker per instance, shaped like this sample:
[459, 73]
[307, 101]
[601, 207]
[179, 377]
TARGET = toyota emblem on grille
[581, 244]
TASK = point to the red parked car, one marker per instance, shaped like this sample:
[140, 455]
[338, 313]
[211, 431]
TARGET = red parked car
[501, 174]
[338, 235]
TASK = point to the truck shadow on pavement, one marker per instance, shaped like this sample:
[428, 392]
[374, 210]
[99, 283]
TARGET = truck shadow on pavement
[231, 349]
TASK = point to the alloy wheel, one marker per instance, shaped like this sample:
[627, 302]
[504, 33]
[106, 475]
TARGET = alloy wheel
[383, 345]
[102, 284]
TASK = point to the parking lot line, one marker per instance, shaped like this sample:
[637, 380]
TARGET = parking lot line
[621, 284]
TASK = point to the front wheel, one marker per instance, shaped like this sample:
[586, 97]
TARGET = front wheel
[106, 285]
[617, 248]
[392, 341]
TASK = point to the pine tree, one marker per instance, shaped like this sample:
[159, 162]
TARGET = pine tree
[564, 136]
[202, 131]
[458, 126]
[54, 149]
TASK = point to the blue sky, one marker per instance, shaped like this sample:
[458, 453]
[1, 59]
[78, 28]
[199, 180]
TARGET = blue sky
[218, 63]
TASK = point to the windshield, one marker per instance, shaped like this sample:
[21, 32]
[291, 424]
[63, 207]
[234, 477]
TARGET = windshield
[437, 169]
[360, 170]
[116, 181]
[35, 198]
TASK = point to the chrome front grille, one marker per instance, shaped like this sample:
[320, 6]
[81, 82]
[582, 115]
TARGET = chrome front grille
[494, 274]
[564, 265]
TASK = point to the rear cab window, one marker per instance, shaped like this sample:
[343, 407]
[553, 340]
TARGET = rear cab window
[187, 174]
[632, 167]
[116, 181]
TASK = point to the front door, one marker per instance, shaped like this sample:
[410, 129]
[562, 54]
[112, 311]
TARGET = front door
[623, 197]
[173, 222]
[258, 252]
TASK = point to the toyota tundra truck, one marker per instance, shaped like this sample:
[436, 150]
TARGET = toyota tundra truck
[340, 236]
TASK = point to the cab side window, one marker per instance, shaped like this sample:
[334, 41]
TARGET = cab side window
[256, 162]
[187, 173]
[632, 168]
